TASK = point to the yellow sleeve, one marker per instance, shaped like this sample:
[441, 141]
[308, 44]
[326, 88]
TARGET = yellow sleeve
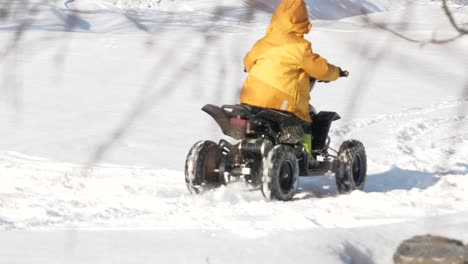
[318, 67]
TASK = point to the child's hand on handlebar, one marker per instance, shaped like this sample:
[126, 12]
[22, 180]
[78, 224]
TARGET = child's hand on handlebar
[344, 73]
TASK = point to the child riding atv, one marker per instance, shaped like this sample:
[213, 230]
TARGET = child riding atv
[272, 125]
[281, 63]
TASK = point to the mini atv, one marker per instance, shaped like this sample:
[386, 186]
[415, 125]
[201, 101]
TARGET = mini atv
[269, 154]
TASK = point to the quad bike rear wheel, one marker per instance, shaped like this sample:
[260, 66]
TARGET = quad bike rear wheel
[280, 174]
[201, 167]
[352, 167]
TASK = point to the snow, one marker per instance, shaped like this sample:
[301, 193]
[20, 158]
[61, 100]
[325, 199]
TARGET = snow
[151, 69]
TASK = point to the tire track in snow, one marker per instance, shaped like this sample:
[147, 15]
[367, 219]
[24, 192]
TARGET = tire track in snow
[33, 196]
[40, 194]
[419, 128]
[347, 129]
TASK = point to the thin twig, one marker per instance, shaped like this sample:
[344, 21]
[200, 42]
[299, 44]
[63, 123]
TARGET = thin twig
[461, 32]
[449, 14]
[148, 99]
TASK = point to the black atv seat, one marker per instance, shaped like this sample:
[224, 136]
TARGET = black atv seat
[289, 127]
[241, 110]
[245, 110]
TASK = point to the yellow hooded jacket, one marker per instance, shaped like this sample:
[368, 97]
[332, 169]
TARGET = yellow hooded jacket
[279, 64]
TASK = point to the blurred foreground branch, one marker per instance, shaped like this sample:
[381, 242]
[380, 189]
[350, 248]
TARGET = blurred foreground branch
[448, 13]
[151, 94]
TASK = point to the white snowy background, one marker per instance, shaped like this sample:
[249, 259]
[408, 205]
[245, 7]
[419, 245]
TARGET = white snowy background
[148, 67]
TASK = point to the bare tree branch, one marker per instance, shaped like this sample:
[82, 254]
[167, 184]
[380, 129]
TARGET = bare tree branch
[449, 14]
[148, 98]
[461, 32]
[383, 26]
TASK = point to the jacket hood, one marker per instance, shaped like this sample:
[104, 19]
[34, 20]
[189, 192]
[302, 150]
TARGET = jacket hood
[290, 17]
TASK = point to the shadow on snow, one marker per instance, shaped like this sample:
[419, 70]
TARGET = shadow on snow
[394, 179]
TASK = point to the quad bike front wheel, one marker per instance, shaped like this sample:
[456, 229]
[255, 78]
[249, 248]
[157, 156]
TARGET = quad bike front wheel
[352, 167]
[201, 167]
[280, 174]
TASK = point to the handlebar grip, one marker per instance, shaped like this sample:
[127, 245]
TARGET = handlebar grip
[344, 73]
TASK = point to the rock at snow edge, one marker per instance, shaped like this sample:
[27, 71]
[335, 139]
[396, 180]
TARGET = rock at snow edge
[431, 250]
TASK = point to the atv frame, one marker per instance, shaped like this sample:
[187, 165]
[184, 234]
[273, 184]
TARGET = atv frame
[269, 154]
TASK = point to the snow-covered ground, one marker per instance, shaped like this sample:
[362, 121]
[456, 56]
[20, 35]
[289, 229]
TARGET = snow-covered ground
[149, 66]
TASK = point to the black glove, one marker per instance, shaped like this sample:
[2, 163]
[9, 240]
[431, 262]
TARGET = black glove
[343, 73]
